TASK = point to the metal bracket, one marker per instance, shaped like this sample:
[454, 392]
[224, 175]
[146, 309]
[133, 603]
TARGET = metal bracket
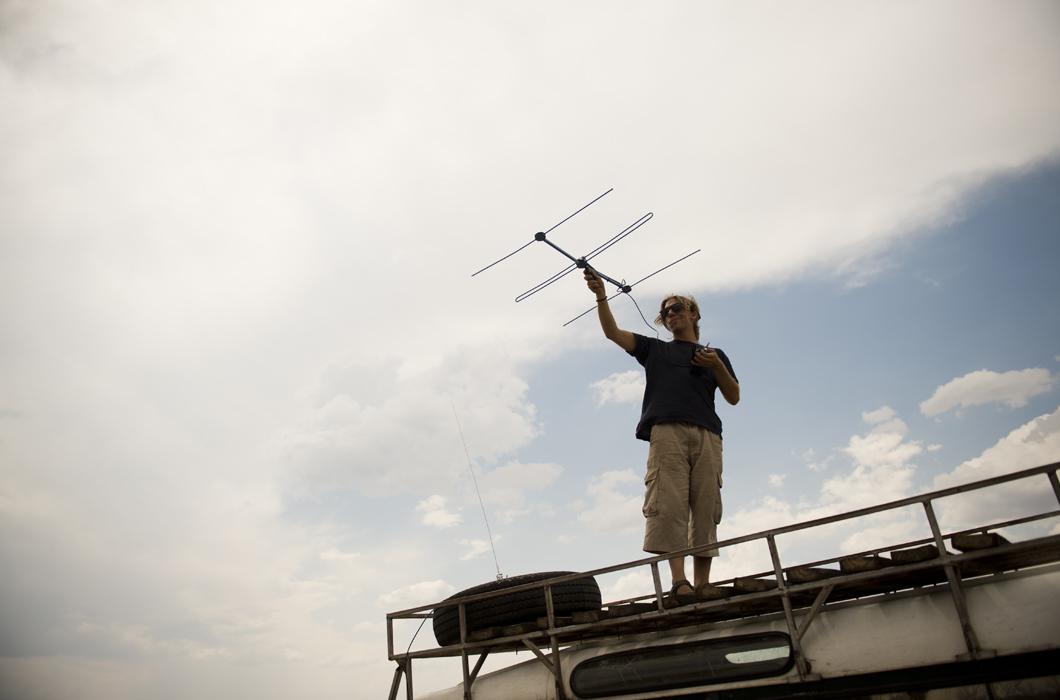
[540, 657]
[818, 603]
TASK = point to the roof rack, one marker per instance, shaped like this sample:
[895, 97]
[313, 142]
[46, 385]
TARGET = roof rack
[911, 564]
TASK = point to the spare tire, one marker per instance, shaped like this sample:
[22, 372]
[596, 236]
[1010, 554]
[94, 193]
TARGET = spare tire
[568, 597]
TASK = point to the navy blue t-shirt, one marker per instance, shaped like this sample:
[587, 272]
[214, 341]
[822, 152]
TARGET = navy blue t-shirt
[676, 391]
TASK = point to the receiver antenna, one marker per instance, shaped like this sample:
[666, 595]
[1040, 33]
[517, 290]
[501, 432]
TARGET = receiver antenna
[583, 261]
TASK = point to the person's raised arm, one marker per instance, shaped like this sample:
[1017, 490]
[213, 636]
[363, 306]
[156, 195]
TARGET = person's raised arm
[621, 338]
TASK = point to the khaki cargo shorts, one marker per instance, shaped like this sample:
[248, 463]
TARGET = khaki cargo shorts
[682, 489]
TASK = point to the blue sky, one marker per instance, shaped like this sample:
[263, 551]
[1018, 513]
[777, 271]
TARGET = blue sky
[237, 313]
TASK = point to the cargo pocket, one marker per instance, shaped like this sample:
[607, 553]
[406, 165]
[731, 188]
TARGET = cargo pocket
[651, 487]
[717, 511]
[717, 444]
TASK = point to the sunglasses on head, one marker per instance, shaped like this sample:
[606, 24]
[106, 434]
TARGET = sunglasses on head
[674, 308]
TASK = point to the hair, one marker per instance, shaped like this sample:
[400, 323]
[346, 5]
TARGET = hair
[689, 301]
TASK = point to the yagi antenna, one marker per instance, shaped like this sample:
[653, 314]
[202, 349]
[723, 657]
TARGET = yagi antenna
[583, 261]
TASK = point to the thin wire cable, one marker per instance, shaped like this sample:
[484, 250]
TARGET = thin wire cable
[474, 480]
[532, 240]
[414, 636]
[653, 329]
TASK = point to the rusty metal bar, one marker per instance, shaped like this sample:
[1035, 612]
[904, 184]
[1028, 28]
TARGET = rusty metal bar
[466, 674]
[778, 571]
[557, 667]
[912, 543]
[1056, 485]
[954, 579]
[540, 657]
[478, 665]
[389, 637]
[658, 586]
[396, 683]
[408, 680]
[912, 500]
[817, 603]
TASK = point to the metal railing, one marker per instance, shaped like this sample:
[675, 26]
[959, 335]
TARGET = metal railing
[784, 589]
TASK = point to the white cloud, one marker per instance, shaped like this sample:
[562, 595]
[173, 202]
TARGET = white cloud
[1034, 443]
[615, 501]
[336, 554]
[435, 514]
[815, 464]
[475, 548]
[880, 415]
[636, 582]
[506, 488]
[621, 387]
[882, 470]
[407, 438]
[1013, 389]
[414, 594]
[777, 480]
[934, 447]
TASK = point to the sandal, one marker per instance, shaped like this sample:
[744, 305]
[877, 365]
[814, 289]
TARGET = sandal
[678, 598]
[708, 591]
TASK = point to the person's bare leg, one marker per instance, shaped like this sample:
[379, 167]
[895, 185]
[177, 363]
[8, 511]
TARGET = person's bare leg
[677, 570]
[701, 566]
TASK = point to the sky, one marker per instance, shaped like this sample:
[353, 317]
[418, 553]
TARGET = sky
[241, 350]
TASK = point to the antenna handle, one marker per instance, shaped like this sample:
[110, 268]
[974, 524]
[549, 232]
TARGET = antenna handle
[621, 285]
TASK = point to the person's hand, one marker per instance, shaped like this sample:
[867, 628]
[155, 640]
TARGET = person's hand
[707, 357]
[595, 284]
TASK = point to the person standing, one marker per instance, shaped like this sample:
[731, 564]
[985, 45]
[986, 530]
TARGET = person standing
[682, 500]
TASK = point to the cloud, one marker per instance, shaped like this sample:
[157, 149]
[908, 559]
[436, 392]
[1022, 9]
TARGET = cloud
[884, 447]
[880, 415]
[621, 387]
[336, 554]
[435, 514]
[630, 584]
[810, 458]
[615, 501]
[881, 469]
[404, 436]
[1034, 443]
[475, 548]
[1013, 389]
[777, 480]
[506, 488]
[414, 594]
